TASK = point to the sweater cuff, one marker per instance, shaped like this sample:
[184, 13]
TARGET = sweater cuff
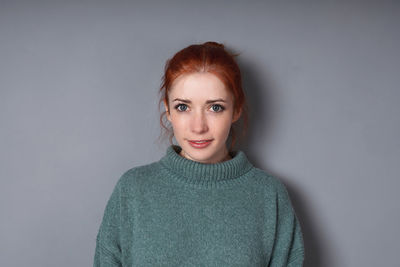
[106, 256]
[297, 257]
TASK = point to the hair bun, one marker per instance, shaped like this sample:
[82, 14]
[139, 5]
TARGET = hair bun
[214, 44]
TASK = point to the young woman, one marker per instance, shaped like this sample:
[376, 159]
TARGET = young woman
[201, 204]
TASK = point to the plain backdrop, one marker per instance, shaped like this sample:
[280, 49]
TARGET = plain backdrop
[79, 98]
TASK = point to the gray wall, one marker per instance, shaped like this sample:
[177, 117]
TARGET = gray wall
[78, 107]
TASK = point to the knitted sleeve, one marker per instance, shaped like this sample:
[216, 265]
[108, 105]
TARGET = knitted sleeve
[108, 250]
[288, 249]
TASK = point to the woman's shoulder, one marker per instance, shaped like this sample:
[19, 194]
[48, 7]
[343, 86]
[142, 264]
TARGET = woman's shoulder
[139, 173]
[269, 181]
[274, 189]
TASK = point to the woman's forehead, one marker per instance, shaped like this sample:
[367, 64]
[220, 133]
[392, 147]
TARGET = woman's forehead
[199, 86]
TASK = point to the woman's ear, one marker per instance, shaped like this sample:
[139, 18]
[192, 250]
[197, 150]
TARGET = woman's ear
[167, 110]
[236, 115]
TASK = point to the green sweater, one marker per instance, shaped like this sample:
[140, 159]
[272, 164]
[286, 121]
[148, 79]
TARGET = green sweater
[179, 212]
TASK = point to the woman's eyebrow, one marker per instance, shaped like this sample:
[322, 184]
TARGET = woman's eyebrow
[207, 102]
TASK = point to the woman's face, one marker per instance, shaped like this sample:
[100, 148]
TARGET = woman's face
[201, 109]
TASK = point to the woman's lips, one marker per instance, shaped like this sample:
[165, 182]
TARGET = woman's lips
[199, 143]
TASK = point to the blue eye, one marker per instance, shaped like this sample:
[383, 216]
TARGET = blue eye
[217, 108]
[180, 105]
[183, 107]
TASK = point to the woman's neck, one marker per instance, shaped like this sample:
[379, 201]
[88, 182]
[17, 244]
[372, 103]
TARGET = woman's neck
[225, 158]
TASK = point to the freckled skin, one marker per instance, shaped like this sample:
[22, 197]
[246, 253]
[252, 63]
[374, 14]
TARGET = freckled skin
[199, 120]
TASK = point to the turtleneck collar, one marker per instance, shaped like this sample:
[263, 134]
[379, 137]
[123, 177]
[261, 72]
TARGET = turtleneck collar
[205, 173]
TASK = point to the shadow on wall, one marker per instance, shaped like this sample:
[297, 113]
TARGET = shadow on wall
[260, 101]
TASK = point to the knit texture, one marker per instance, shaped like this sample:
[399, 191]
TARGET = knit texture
[179, 212]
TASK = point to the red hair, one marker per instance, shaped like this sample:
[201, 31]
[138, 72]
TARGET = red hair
[208, 57]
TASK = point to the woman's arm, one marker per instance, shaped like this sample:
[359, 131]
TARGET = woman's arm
[108, 249]
[288, 247]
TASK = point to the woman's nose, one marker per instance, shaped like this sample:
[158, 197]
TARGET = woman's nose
[199, 123]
